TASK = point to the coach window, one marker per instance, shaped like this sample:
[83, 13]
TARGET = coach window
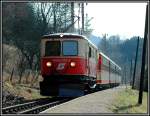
[70, 48]
[111, 67]
[52, 48]
[115, 69]
[92, 52]
[95, 55]
[104, 61]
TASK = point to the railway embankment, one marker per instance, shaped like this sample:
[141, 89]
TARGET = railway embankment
[116, 100]
[16, 94]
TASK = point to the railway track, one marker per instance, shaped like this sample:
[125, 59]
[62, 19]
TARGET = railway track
[15, 102]
[34, 107]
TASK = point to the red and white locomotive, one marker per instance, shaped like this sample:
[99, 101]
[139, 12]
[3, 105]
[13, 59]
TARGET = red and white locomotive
[71, 64]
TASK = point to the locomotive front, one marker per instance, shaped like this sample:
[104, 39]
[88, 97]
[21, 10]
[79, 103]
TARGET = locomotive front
[63, 64]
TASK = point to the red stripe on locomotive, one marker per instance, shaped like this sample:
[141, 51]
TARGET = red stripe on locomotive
[66, 69]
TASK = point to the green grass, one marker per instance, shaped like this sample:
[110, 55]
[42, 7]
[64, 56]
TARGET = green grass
[127, 102]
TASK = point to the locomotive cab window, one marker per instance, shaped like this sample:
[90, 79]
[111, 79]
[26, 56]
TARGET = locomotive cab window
[70, 48]
[52, 48]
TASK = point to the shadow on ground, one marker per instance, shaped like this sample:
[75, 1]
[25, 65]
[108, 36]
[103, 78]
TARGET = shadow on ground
[125, 107]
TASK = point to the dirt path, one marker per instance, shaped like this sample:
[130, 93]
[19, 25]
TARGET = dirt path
[98, 102]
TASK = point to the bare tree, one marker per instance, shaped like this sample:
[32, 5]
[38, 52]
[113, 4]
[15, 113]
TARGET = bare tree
[6, 55]
[55, 17]
[21, 66]
[9, 64]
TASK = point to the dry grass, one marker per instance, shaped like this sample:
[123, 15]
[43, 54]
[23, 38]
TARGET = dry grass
[127, 102]
[10, 62]
[22, 91]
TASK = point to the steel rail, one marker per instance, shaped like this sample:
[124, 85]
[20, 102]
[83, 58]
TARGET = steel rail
[33, 106]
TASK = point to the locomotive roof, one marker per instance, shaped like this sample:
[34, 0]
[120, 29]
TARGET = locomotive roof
[110, 60]
[67, 35]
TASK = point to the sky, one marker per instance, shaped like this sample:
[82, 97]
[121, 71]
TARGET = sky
[123, 19]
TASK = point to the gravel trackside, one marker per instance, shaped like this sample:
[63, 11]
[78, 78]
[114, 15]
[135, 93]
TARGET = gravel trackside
[98, 102]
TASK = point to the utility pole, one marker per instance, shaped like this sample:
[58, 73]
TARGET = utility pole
[143, 58]
[131, 72]
[54, 18]
[82, 8]
[72, 16]
[125, 77]
[135, 63]
[79, 19]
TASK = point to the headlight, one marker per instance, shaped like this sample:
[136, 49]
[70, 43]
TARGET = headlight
[61, 35]
[48, 64]
[72, 64]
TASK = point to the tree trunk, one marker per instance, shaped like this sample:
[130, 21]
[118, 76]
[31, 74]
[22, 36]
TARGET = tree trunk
[11, 77]
[20, 76]
[35, 78]
[27, 77]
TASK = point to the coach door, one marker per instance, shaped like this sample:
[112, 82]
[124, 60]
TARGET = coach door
[92, 62]
[88, 59]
